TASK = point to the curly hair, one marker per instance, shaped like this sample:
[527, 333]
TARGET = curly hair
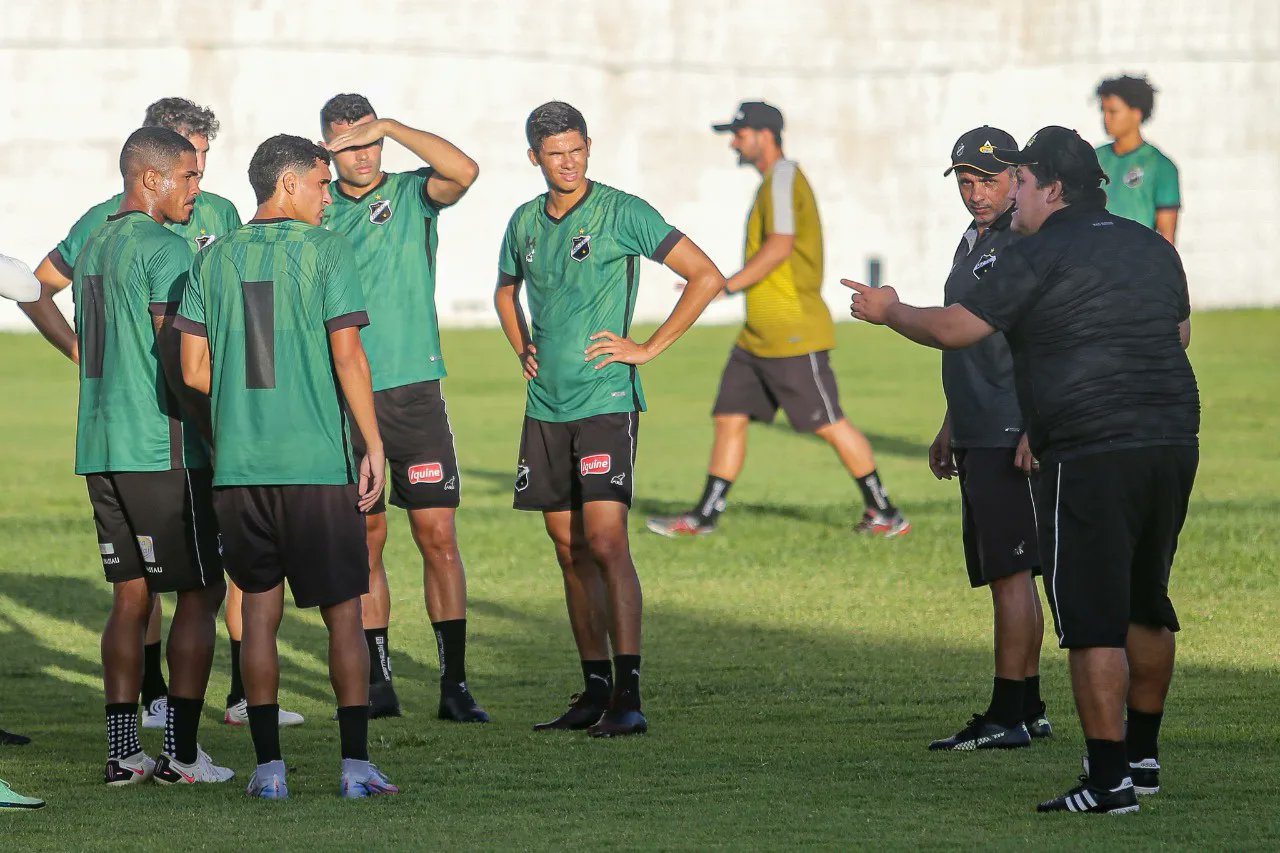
[345, 109]
[280, 154]
[1137, 92]
[552, 119]
[182, 116]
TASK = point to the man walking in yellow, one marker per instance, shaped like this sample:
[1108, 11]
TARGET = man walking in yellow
[780, 359]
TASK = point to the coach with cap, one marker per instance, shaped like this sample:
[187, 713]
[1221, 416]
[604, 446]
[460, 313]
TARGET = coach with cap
[983, 442]
[1097, 315]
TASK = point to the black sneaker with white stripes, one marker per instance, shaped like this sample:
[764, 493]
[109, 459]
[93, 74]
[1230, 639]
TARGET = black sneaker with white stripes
[1086, 799]
[1145, 775]
[982, 733]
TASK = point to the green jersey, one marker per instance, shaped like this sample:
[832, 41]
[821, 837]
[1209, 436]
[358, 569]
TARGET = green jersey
[212, 217]
[1142, 182]
[393, 230]
[128, 420]
[581, 272]
[267, 296]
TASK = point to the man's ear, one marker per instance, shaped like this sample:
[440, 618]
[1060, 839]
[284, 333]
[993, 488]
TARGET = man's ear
[533, 158]
[1055, 192]
[151, 179]
[588, 146]
[289, 180]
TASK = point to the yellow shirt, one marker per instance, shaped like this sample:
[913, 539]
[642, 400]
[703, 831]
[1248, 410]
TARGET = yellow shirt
[785, 312]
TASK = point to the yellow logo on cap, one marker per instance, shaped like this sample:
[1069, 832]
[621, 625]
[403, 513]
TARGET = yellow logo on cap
[986, 147]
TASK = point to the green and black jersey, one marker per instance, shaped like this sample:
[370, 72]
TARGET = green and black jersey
[267, 296]
[582, 272]
[212, 217]
[393, 230]
[132, 269]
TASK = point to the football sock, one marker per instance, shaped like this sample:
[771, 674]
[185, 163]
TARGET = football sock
[626, 670]
[1141, 734]
[1006, 702]
[451, 643]
[712, 504]
[180, 731]
[874, 494]
[122, 730]
[264, 728]
[597, 676]
[1107, 767]
[379, 654]
[353, 728]
[237, 685]
[1031, 700]
[153, 686]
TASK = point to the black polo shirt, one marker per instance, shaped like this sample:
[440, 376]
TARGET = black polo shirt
[978, 380]
[1091, 305]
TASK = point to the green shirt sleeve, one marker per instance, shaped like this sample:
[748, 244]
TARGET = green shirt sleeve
[230, 219]
[167, 269]
[509, 255]
[419, 179]
[64, 255]
[344, 304]
[641, 230]
[1167, 193]
[190, 317]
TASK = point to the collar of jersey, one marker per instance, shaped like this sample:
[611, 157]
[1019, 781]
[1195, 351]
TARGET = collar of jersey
[1080, 209]
[591, 185]
[373, 189]
[1003, 222]
[270, 220]
[122, 214]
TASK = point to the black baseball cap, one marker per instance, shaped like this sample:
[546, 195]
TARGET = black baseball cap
[974, 150]
[1063, 152]
[756, 115]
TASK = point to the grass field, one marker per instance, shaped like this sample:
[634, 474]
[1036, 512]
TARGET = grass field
[793, 673]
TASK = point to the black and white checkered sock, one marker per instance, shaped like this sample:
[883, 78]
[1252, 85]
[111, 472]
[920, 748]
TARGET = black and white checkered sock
[122, 730]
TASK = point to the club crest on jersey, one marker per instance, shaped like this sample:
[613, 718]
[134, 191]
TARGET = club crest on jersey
[1133, 177]
[204, 240]
[380, 211]
[530, 246]
[426, 472]
[580, 247]
[598, 463]
[984, 264]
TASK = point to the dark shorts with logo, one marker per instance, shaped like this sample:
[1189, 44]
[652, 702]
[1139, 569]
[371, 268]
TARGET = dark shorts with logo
[417, 438]
[565, 465]
[803, 386]
[312, 536]
[1109, 525]
[157, 525]
[998, 515]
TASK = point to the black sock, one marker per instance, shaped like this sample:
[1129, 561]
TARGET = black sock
[264, 728]
[122, 730]
[711, 504]
[874, 494]
[1141, 734]
[237, 685]
[451, 643]
[153, 686]
[626, 673]
[353, 728]
[1107, 767]
[1006, 702]
[379, 654]
[1031, 701]
[181, 728]
[597, 678]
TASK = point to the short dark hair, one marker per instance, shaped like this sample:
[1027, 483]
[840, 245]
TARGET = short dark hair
[1137, 92]
[1074, 188]
[152, 148]
[278, 155]
[345, 109]
[551, 119]
[182, 116]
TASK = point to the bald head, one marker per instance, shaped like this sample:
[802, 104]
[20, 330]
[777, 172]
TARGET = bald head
[152, 148]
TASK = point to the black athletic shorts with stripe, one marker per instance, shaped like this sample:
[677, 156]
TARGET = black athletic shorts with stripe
[803, 386]
[564, 465]
[1109, 525]
[157, 525]
[998, 515]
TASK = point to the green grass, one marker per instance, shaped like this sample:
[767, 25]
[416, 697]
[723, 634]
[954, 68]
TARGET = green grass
[793, 673]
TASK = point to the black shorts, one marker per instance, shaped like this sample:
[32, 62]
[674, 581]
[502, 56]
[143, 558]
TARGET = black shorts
[417, 438]
[564, 465]
[998, 512]
[313, 536]
[157, 525]
[1109, 525]
[802, 385]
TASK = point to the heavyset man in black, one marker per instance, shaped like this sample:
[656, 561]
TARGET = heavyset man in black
[1097, 315]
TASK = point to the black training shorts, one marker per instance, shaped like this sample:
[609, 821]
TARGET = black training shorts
[564, 465]
[418, 441]
[1109, 525]
[313, 536]
[998, 514]
[157, 525]
[803, 386]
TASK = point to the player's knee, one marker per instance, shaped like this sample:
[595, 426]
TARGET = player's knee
[608, 547]
[375, 526]
[132, 600]
[733, 424]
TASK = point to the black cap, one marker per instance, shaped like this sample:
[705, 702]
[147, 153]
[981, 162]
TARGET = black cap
[1062, 152]
[756, 115]
[974, 150]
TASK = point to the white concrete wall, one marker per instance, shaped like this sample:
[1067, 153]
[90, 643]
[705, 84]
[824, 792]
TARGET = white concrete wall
[874, 93]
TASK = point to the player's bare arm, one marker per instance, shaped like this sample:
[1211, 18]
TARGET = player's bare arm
[506, 300]
[197, 371]
[1184, 333]
[352, 369]
[455, 172]
[169, 346]
[775, 249]
[46, 316]
[953, 327]
[705, 283]
[1167, 223]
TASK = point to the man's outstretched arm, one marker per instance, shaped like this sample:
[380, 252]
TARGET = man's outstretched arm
[953, 327]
